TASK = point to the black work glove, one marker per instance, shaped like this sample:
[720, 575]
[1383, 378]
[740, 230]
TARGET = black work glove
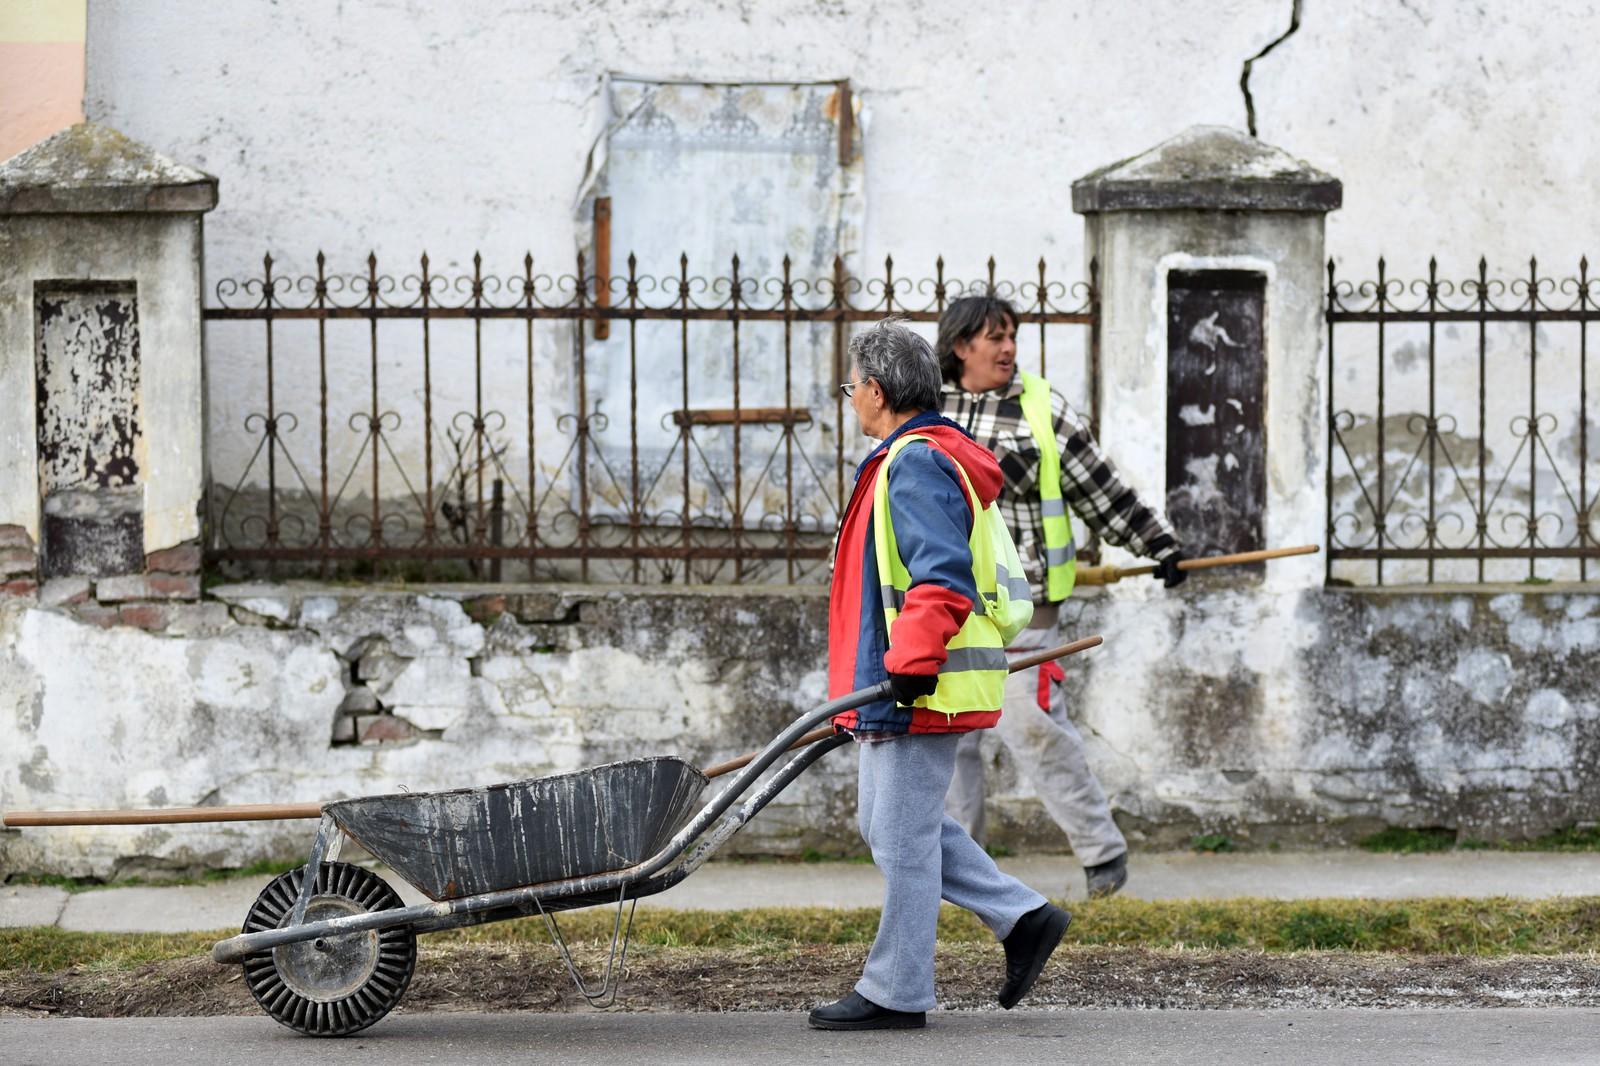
[907, 687]
[1167, 570]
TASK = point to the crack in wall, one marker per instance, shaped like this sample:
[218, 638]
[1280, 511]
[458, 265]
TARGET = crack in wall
[1244, 76]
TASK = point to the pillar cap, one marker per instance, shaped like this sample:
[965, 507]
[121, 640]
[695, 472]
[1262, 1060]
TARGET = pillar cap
[94, 169]
[1208, 168]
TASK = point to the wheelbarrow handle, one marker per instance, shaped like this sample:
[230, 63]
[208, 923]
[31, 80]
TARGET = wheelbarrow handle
[1027, 662]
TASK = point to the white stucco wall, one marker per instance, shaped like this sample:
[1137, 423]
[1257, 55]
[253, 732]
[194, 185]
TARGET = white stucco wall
[405, 127]
[1458, 129]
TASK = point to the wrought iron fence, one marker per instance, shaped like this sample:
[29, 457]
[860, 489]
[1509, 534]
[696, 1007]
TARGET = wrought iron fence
[1459, 428]
[535, 425]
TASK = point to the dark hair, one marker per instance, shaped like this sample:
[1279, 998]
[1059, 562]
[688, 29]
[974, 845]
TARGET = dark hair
[964, 319]
[900, 362]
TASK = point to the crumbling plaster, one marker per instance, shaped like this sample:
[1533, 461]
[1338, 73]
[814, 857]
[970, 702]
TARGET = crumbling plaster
[1278, 714]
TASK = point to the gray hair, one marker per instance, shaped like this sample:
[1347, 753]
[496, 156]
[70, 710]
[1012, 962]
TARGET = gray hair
[901, 362]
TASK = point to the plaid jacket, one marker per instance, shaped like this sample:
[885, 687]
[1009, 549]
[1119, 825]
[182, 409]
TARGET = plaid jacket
[1090, 484]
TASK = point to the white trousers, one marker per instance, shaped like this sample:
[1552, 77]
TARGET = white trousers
[1049, 752]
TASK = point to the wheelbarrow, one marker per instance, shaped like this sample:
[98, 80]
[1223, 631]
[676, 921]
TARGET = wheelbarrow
[329, 948]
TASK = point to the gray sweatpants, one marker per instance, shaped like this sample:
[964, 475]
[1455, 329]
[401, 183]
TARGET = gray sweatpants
[1049, 752]
[924, 855]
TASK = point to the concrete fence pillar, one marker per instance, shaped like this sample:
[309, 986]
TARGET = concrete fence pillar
[102, 469]
[1210, 251]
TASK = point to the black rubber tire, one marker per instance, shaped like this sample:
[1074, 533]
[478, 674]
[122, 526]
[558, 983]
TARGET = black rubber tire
[388, 964]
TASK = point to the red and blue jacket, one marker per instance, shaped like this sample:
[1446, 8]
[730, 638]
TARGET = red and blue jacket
[932, 517]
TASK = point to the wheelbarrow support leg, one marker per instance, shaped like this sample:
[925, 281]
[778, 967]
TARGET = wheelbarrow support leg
[324, 848]
[612, 981]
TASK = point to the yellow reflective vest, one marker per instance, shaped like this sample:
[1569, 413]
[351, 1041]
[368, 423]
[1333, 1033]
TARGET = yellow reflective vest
[973, 677]
[1060, 553]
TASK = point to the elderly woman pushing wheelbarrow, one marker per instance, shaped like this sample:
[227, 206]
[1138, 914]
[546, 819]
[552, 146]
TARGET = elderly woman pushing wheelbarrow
[927, 590]
[922, 595]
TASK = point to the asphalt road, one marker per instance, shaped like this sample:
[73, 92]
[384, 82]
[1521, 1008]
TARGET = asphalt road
[1525, 1037]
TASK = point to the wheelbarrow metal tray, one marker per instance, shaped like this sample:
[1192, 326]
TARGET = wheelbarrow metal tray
[469, 841]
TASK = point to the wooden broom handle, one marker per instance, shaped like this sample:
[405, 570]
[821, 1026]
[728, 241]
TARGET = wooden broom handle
[1108, 574]
[245, 812]
[824, 731]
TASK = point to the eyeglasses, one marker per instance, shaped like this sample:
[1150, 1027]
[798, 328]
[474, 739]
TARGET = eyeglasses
[849, 388]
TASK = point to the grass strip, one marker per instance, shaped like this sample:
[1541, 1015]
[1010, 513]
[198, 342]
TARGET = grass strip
[1423, 926]
[1406, 841]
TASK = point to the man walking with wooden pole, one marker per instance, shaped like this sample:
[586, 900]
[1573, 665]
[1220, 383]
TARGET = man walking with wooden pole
[1053, 470]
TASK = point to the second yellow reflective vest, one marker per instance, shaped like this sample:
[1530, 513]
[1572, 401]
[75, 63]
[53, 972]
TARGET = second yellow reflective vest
[1060, 553]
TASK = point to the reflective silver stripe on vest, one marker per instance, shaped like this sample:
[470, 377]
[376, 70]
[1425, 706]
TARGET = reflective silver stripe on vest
[962, 659]
[1061, 556]
[1017, 587]
[1055, 507]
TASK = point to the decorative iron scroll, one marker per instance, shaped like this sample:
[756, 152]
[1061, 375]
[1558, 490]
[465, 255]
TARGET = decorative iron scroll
[1482, 470]
[374, 450]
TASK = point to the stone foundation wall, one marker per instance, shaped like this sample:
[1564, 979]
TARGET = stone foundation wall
[1299, 716]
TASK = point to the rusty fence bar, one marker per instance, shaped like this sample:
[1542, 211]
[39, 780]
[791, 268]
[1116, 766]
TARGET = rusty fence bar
[671, 427]
[1458, 428]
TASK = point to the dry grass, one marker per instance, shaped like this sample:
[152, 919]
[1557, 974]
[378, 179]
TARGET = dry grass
[483, 976]
[1429, 926]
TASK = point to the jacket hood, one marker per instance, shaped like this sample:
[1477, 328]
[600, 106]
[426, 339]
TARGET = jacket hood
[983, 470]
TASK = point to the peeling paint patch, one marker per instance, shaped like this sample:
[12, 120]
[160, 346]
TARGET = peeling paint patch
[1419, 694]
[1579, 636]
[1527, 633]
[267, 607]
[1486, 675]
[88, 387]
[1548, 709]
[319, 609]
[1578, 607]
[88, 435]
[37, 772]
[1506, 607]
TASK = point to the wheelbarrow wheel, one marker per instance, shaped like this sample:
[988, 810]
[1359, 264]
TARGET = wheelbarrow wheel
[332, 986]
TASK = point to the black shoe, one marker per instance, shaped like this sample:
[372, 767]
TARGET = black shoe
[1108, 878]
[1036, 935]
[856, 1011]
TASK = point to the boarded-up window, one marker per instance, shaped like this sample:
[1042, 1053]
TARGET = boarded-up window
[1216, 380]
[87, 364]
[693, 175]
